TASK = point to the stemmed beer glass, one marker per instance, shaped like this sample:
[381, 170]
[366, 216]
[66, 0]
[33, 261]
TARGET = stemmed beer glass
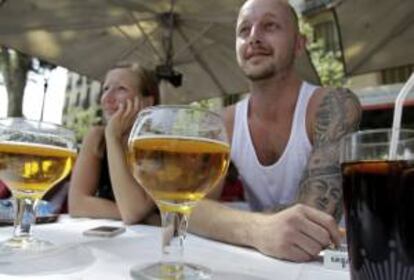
[177, 154]
[34, 156]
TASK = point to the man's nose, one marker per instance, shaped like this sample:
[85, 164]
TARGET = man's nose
[255, 36]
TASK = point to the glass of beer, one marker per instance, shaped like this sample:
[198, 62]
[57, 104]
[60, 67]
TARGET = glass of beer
[379, 204]
[177, 154]
[34, 156]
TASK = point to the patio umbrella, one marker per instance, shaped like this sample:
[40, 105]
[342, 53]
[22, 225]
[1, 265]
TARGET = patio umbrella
[189, 42]
[375, 34]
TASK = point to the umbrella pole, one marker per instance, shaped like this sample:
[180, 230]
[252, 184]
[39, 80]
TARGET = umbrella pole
[45, 86]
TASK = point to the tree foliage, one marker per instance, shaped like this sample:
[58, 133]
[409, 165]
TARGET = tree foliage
[80, 120]
[328, 64]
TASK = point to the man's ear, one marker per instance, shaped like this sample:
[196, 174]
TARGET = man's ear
[300, 44]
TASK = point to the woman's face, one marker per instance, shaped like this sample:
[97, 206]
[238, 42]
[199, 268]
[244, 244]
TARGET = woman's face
[120, 85]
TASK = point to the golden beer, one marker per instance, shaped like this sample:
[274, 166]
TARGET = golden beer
[30, 170]
[177, 172]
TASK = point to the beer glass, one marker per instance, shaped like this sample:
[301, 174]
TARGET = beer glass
[34, 156]
[177, 154]
[379, 204]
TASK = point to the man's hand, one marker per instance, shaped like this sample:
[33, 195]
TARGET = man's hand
[298, 233]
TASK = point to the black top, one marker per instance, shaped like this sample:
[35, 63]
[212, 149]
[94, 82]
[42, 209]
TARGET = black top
[105, 185]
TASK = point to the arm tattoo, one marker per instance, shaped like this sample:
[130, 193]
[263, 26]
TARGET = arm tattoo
[338, 114]
[277, 208]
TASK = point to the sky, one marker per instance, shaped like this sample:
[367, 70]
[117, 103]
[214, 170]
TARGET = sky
[34, 96]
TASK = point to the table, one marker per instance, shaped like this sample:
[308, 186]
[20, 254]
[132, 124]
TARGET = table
[84, 257]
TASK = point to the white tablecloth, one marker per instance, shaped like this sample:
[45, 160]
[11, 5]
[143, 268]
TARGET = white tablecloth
[81, 257]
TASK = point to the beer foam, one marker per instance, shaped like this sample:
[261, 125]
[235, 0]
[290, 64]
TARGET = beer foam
[35, 149]
[179, 137]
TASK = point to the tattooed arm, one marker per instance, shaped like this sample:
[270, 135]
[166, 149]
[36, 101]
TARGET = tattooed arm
[299, 232]
[339, 113]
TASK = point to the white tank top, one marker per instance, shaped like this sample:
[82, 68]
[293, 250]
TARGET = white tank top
[269, 186]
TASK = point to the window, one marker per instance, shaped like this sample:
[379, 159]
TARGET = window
[397, 74]
[380, 118]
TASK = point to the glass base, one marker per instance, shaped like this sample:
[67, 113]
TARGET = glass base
[24, 244]
[171, 271]
[64, 258]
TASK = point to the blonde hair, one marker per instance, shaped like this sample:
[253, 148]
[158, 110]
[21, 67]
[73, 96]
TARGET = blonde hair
[147, 86]
[148, 82]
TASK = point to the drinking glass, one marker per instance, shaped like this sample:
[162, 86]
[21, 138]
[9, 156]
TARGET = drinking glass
[178, 154]
[34, 156]
[379, 203]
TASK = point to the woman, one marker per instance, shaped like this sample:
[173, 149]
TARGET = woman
[101, 183]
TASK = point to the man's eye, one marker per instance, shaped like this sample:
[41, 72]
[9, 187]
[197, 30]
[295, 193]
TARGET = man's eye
[271, 26]
[243, 31]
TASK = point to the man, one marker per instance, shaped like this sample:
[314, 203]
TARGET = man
[285, 142]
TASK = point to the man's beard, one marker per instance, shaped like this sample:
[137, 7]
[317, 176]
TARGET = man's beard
[264, 74]
[271, 70]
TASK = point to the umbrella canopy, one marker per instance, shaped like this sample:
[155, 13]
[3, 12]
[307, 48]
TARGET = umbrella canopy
[189, 37]
[375, 34]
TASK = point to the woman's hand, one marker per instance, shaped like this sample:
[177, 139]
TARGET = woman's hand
[132, 201]
[123, 119]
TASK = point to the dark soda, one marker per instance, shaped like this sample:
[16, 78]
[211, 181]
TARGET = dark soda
[379, 213]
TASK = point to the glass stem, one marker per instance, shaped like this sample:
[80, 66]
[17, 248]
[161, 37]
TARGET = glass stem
[25, 217]
[174, 226]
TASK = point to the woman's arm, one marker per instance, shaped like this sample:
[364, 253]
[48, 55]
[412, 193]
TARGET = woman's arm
[85, 179]
[133, 202]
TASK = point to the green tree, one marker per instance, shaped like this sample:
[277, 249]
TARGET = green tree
[328, 64]
[82, 119]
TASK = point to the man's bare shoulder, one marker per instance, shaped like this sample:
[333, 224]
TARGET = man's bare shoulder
[324, 93]
[337, 112]
[334, 112]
